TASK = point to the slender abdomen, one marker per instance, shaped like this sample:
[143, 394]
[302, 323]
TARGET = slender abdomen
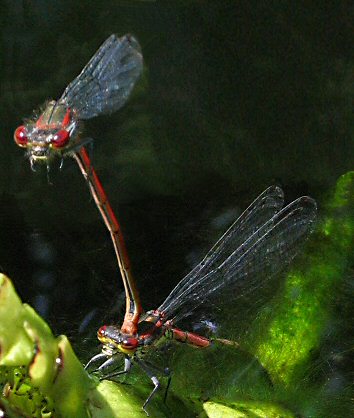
[189, 338]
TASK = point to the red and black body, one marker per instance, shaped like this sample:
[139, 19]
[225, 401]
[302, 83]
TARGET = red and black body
[102, 87]
[261, 242]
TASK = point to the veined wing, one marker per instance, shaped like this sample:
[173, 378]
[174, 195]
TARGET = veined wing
[262, 255]
[104, 85]
[263, 208]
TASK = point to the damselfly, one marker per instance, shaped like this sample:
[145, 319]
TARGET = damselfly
[102, 87]
[262, 241]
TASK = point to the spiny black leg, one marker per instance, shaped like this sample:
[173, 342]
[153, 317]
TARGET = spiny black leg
[109, 376]
[127, 366]
[154, 380]
[168, 373]
[106, 364]
[95, 358]
[156, 383]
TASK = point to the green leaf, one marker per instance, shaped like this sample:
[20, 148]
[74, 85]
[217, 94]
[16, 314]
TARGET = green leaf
[249, 409]
[41, 376]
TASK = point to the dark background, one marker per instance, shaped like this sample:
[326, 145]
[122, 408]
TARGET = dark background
[235, 96]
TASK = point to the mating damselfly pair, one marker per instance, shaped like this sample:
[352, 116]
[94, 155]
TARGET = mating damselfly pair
[259, 244]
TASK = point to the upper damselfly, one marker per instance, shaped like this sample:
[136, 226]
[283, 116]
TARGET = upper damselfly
[102, 87]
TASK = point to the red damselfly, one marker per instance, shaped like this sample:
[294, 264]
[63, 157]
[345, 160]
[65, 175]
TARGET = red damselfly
[102, 87]
[261, 242]
[258, 245]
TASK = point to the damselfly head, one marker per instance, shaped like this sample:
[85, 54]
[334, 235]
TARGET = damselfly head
[110, 334]
[112, 338]
[49, 135]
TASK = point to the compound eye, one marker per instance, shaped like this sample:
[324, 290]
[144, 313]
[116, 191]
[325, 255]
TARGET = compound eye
[102, 331]
[130, 342]
[60, 139]
[21, 136]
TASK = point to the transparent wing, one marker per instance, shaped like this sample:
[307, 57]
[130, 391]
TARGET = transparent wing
[261, 256]
[255, 216]
[104, 85]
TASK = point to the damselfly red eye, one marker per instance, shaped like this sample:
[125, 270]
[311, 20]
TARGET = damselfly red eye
[102, 330]
[60, 139]
[130, 342]
[21, 136]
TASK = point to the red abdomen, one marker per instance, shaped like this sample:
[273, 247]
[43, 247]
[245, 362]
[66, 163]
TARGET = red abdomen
[189, 338]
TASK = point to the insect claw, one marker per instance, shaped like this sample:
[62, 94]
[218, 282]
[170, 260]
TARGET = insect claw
[146, 412]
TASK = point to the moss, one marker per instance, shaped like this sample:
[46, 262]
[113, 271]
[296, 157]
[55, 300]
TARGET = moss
[302, 315]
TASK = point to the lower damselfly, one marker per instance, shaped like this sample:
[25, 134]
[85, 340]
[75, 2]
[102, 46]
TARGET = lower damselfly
[258, 245]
